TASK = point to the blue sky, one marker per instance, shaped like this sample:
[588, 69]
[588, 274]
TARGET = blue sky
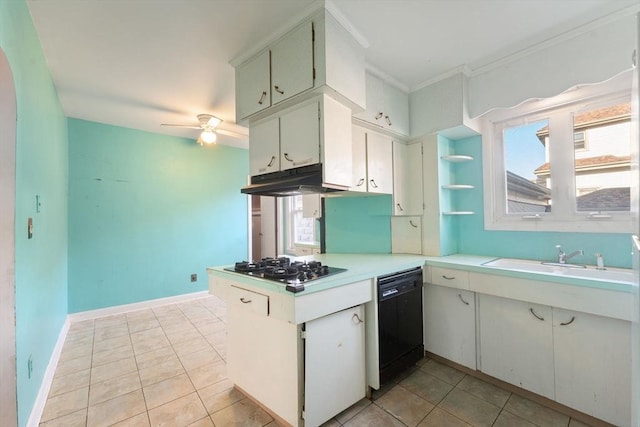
[523, 150]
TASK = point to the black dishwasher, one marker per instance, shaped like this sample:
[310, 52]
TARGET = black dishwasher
[399, 322]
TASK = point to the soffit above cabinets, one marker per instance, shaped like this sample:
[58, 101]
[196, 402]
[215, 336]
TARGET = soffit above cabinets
[142, 63]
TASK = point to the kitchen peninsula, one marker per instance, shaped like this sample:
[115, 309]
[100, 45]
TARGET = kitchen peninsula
[303, 356]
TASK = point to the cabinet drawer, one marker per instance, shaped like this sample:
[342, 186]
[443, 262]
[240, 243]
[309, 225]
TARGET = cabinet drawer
[450, 277]
[250, 301]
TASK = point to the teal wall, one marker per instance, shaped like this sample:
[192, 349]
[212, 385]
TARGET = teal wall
[358, 224]
[146, 211]
[472, 238]
[41, 169]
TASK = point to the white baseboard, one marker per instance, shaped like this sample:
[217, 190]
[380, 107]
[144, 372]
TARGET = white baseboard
[127, 308]
[47, 380]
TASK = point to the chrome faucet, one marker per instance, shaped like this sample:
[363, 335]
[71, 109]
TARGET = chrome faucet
[563, 257]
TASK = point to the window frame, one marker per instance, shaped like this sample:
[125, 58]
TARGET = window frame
[559, 110]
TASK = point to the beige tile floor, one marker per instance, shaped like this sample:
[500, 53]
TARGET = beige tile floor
[166, 367]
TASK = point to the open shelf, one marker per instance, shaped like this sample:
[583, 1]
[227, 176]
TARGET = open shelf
[458, 187]
[456, 158]
[453, 213]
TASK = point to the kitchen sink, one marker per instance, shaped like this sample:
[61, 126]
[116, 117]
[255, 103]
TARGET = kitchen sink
[568, 270]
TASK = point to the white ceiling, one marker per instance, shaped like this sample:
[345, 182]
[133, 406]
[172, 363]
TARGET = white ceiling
[139, 63]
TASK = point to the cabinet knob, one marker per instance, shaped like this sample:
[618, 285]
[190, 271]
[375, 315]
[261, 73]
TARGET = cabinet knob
[277, 88]
[264, 94]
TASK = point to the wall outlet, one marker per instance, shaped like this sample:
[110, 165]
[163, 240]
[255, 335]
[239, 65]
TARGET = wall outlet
[194, 277]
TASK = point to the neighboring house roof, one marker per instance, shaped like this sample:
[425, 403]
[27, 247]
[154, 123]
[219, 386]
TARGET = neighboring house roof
[606, 199]
[598, 162]
[526, 189]
[594, 118]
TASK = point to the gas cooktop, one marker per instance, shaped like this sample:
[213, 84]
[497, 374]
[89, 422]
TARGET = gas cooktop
[293, 274]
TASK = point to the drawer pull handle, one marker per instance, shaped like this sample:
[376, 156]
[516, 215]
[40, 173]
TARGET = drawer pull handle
[462, 299]
[360, 182]
[569, 322]
[273, 158]
[356, 319]
[373, 183]
[264, 93]
[286, 156]
[245, 301]
[535, 315]
[412, 224]
[399, 207]
[447, 277]
[280, 91]
[388, 120]
[379, 115]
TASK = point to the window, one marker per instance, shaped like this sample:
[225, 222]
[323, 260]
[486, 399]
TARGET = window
[300, 229]
[561, 164]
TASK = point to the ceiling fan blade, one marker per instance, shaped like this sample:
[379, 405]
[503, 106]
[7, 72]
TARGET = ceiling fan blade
[232, 134]
[181, 126]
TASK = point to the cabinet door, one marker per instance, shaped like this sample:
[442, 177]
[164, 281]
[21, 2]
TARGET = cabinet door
[264, 147]
[374, 92]
[334, 354]
[407, 179]
[516, 343]
[359, 156]
[379, 163]
[253, 87]
[406, 235]
[292, 64]
[300, 137]
[396, 109]
[450, 324]
[593, 364]
[311, 206]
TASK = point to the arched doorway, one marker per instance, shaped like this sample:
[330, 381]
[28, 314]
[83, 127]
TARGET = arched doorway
[8, 402]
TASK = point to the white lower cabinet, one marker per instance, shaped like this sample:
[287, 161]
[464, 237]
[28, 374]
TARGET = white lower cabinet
[334, 364]
[450, 324]
[578, 359]
[305, 373]
[592, 357]
[516, 343]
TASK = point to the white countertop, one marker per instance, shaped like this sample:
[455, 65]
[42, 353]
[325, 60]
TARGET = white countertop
[367, 266]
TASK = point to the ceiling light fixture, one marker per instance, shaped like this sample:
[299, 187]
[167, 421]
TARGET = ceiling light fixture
[208, 135]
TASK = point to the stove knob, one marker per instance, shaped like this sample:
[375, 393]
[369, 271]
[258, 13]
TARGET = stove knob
[309, 274]
[302, 276]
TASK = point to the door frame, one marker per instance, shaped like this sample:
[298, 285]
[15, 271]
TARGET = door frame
[8, 122]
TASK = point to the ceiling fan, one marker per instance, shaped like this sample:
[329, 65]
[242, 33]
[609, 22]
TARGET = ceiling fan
[208, 124]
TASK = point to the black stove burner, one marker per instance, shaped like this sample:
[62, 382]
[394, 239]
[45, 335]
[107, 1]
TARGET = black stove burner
[293, 274]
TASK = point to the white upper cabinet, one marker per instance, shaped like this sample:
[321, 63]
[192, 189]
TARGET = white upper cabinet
[317, 56]
[292, 64]
[253, 86]
[265, 147]
[372, 162]
[312, 132]
[387, 106]
[407, 178]
[296, 126]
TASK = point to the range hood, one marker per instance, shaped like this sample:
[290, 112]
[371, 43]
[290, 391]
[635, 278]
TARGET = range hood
[290, 182]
